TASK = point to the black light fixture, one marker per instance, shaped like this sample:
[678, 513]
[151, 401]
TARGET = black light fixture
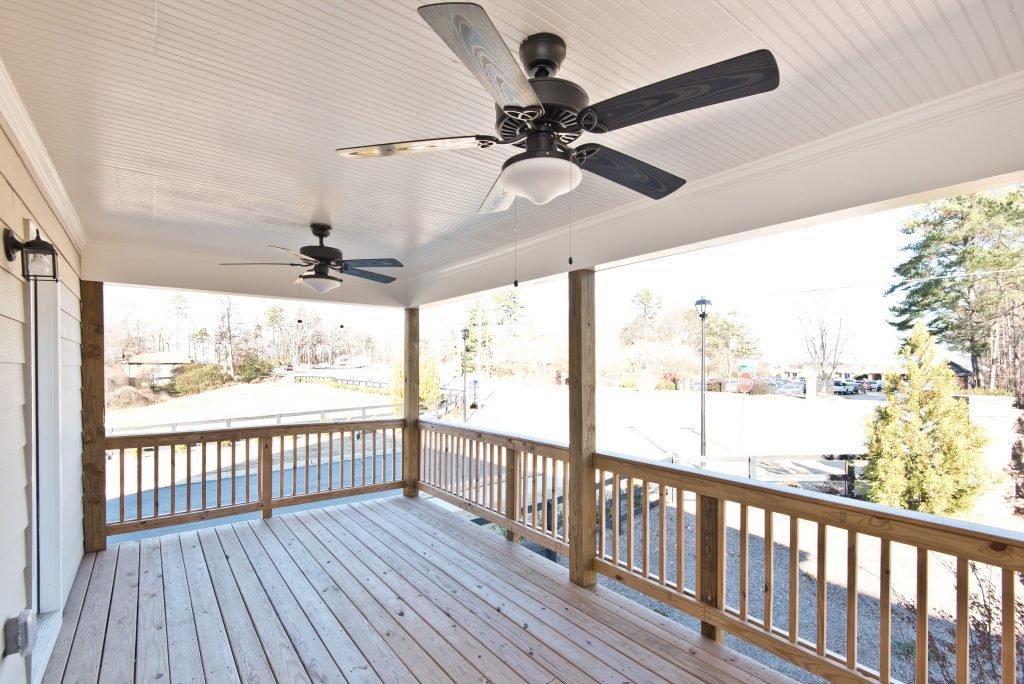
[38, 257]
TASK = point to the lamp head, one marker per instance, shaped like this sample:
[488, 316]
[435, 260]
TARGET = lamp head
[702, 305]
[38, 257]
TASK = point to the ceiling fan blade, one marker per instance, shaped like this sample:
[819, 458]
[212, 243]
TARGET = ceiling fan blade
[409, 146]
[499, 198]
[259, 263]
[298, 255]
[373, 263]
[749, 74]
[471, 35]
[627, 171]
[369, 275]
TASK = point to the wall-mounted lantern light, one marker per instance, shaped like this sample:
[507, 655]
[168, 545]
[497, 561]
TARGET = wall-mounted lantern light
[38, 257]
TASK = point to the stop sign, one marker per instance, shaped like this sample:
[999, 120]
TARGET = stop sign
[746, 382]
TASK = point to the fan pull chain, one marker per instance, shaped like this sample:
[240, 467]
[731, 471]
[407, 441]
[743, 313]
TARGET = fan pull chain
[515, 248]
[570, 212]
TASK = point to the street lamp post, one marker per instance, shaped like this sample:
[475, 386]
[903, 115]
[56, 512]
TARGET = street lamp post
[702, 305]
[465, 396]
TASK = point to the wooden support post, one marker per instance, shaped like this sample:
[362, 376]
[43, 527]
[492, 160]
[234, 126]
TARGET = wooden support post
[711, 537]
[265, 471]
[582, 428]
[411, 433]
[94, 456]
[511, 490]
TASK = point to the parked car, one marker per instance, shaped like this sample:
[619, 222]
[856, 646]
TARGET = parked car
[875, 385]
[843, 387]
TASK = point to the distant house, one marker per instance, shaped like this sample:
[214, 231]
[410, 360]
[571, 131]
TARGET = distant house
[963, 375]
[158, 364]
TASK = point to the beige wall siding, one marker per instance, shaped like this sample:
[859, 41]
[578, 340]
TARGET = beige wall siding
[20, 198]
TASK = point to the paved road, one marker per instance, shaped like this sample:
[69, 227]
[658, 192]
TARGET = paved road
[294, 481]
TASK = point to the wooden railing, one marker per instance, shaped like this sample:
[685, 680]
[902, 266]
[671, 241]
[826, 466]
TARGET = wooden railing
[515, 482]
[682, 555]
[174, 478]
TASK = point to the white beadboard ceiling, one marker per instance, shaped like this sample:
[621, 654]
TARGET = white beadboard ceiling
[188, 132]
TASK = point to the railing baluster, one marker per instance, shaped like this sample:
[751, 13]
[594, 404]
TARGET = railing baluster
[319, 461]
[629, 524]
[821, 585]
[884, 611]
[645, 528]
[554, 499]
[769, 569]
[234, 471]
[535, 514]
[305, 471]
[794, 578]
[156, 480]
[120, 467]
[373, 479]
[202, 484]
[487, 476]
[662, 516]
[474, 466]
[543, 494]
[218, 473]
[174, 457]
[922, 616]
[330, 459]
[1009, 614]
[138, 483]
[248, 469]
[280, 467]
[851, 599]
[512, 481]
[616, 518]
[524, 493]
[352, 458]
[963, 624]
[680, 539]
[744, 563]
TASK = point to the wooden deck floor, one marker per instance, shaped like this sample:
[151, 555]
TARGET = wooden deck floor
[389, 590]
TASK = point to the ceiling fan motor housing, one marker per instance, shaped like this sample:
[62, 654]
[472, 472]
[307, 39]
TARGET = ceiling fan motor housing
[562, 100]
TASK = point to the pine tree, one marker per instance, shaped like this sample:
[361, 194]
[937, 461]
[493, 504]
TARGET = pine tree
[924, 453]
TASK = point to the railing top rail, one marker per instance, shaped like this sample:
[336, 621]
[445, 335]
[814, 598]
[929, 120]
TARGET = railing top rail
[233, 434]
[514, 440]
[1003, 548]
[311, 412]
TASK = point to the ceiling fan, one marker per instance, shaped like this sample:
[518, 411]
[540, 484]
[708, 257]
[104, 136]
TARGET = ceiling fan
[544, 114]
[321, 260]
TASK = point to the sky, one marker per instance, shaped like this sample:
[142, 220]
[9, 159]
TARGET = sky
[840, 269]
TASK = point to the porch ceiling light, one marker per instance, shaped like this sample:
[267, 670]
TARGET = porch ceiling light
[540, 175]
[38, 257]
[320, 284]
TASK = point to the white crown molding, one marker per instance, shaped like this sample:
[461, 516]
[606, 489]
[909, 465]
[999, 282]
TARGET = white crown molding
[33, 153]
[911, 122]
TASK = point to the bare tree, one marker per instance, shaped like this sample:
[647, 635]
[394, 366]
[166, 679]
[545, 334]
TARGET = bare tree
[825, 341]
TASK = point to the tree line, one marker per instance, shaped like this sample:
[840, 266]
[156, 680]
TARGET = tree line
[276, 337]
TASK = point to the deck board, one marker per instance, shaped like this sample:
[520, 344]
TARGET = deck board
[393, 590]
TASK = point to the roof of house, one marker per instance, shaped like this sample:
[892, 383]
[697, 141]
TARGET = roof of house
[958, 369]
